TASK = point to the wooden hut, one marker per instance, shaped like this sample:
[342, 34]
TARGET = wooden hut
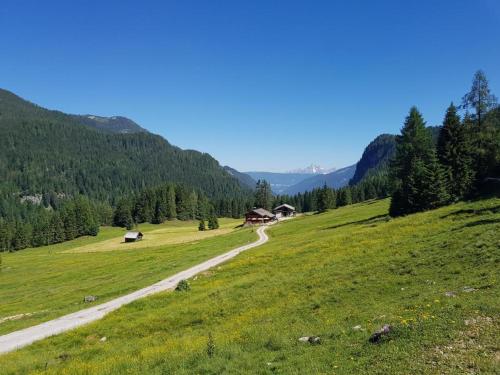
[284, 210]
[133, 236]
[259, 216]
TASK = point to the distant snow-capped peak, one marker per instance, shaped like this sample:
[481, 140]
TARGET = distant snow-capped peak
[313, 169]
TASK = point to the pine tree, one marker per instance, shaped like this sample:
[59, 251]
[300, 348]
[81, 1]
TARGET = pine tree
[479, 97]
[263, 195]
[321, 200]
[57, 228]
[68, 217]
[201, 226]
[416, 173]
[123, 215]
[213, 222]
[5, 236]
[85, 215]
[454, 154]
[325, 199]
[344, 197]
[171, 207]
[22, 236]
[485, 134]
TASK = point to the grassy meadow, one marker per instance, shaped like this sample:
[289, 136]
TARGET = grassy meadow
[340, 275]
[47, 282]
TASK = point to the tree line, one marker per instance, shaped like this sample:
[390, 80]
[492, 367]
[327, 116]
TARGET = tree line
[324, 198]
[48, 219]
[430, 166]
[35, 224]
[167, 202]
[465, 161]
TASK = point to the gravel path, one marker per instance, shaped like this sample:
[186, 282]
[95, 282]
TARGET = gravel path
[18, 339]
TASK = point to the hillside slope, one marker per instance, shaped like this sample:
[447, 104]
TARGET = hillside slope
[115, 124]
[340, 276]
[49, 151]
[243, 178]
[335, 179]
[375, 156]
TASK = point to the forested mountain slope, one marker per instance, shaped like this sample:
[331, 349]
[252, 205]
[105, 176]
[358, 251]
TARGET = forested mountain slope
[243, 178]
[49, 151]
[375, 156]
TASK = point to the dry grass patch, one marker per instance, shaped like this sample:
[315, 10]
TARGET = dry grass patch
[168, 233]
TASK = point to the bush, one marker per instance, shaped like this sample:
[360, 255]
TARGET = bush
[183, 286]
[201, 227]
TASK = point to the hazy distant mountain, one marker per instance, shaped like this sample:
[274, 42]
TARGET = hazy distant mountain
[280, 181]
[335, 179]
[115, 124]
[312, 169]
[243, 178]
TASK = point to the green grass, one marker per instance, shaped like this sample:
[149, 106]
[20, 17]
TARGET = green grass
[44, 283]
[319, 275]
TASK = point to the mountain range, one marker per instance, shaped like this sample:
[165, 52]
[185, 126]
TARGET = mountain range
[335, 179]
[312, 169]
[44, 151]
[279, 182]
[103, 157]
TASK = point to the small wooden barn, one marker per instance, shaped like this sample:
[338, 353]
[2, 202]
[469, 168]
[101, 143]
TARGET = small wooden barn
[133, 236]
[284, 210]
[259, 216]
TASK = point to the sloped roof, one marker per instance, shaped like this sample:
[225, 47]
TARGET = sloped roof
[262, 212]
[133, 234]
[285, 206]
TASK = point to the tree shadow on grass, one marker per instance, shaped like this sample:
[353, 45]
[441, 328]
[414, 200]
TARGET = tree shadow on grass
[470, 211]
[373, 219]
[481, 222]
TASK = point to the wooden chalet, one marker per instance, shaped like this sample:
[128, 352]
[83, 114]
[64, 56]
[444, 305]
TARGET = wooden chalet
[259, 216]
[133, 236]
[284, 210]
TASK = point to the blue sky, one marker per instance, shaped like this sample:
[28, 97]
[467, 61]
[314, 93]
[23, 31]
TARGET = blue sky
[260, 85]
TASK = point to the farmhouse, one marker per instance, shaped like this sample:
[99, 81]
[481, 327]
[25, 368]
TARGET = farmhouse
[284, 210]
[133, 236]
[259, 216]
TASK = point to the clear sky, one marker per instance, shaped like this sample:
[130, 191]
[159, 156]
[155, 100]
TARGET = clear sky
[260, 85]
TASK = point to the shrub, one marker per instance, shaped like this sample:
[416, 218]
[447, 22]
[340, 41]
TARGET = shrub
[183, 286]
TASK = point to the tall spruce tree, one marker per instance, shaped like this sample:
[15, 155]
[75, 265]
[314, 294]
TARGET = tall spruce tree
[324, 199]
[344, 197]
[418, 177]
[171, 208]
[263, 195]
[454, 154]
[213, 222]
[479, 98]
[485, 129]
[123, 215]
[201, 225]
